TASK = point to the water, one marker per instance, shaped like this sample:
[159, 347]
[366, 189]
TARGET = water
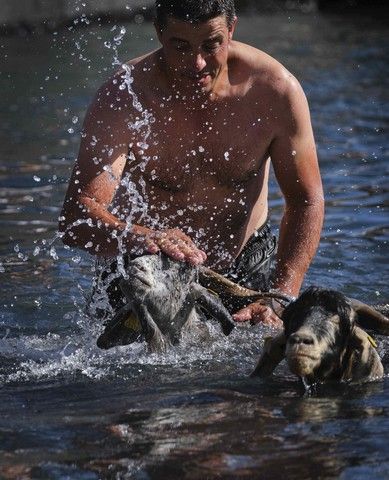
[69, 410]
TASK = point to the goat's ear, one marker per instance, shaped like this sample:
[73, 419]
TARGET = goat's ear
[369, 318]
[273, 353]
[123, 325]
[363, 360]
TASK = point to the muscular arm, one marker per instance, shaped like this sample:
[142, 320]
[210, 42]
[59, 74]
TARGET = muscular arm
[85, 220]
[294, 159]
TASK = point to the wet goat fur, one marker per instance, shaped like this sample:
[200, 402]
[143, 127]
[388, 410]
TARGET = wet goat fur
[314, 309]
[321, 341]
[162, 294]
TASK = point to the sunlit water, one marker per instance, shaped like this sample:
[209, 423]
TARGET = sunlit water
[70, 410]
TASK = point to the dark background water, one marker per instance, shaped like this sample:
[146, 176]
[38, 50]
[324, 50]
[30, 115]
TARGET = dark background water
[68, 410]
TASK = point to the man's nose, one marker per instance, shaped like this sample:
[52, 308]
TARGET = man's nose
[199, 61]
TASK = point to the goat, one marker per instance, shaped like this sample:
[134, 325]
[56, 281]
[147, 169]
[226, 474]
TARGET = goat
[322, 340]
[163, 296]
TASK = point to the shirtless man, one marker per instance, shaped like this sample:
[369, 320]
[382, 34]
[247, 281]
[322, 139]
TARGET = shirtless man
[193, 181]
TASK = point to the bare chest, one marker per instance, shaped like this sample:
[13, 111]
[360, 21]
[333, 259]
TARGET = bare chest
[220, 146]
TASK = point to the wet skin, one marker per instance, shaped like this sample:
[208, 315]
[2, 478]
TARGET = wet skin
[222, 111]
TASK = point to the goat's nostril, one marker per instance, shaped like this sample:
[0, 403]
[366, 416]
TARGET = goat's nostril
[300, 338]
[294, 339]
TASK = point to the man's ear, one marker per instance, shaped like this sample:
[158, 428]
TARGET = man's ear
[231, 30]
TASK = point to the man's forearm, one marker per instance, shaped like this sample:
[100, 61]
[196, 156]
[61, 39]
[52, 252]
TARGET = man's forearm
[298, 241]
[92, 227]
[98, 231]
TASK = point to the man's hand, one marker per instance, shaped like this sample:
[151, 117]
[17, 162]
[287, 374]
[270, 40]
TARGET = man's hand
[172, 242]
[258, 312]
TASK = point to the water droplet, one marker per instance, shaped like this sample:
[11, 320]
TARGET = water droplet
[38, 302]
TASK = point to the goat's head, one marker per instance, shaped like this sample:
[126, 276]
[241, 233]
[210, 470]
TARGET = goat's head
[165, 277]
[318, 326]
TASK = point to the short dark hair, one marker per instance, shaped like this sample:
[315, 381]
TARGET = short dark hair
[194, 11]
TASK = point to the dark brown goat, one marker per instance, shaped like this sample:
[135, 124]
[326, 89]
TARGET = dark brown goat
[322, 340]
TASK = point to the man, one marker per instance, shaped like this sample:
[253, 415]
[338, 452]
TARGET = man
[175, 157]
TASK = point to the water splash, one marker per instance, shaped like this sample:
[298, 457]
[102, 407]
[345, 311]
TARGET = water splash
[310, 388]
[47, 357]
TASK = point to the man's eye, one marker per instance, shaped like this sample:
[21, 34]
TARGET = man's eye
[181, 47]
[211, 48]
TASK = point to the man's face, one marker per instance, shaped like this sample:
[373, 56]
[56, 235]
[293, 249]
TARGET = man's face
[195, 54]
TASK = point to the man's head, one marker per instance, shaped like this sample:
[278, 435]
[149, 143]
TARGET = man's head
[194, 11]
[195, 38]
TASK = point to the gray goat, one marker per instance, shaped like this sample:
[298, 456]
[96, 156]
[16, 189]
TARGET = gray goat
[163, 299]
[322, 340]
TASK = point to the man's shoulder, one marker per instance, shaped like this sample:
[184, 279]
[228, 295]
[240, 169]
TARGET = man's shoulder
[143, 60]
[262, 70]
[115, 94]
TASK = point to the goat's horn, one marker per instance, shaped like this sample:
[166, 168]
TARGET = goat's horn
[223, 286]
[369, 318]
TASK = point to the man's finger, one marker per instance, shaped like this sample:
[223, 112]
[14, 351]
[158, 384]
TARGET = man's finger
[243, 315]
[257, 313]
[176, 245]
[171, 249]
[267, 317]
[180, 250]
[179, 236]
[151, 247]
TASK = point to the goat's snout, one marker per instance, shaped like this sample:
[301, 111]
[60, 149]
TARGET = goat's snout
[137, 265]
[301, 338]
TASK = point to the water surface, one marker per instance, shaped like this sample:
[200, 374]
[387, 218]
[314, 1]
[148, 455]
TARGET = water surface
[69, 410]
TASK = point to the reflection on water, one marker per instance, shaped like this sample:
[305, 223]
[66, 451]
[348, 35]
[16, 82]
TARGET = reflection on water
[69, 410]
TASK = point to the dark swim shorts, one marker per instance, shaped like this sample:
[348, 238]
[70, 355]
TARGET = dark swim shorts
[252, 269]
[253, 266]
